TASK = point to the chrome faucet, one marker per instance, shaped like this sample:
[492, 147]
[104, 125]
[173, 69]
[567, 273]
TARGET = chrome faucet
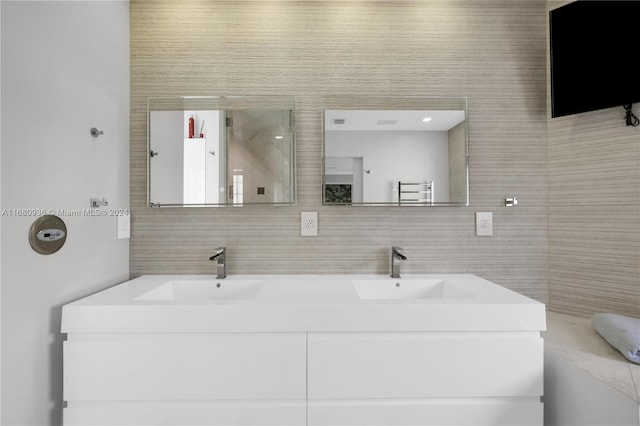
[220, 256]
[396, 256]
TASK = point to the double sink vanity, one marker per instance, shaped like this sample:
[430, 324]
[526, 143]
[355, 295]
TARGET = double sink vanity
[304, 350]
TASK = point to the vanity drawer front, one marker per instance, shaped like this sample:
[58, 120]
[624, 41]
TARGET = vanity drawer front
[423, 365]
[237, 413]
[428, 412]
[186, 367]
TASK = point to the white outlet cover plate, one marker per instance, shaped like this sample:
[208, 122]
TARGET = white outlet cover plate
[484, 224]
[124, 226]
[309, 224]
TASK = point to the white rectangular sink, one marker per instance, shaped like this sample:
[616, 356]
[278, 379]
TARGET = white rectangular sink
[399, 288]
[304, 303]
[204, 290]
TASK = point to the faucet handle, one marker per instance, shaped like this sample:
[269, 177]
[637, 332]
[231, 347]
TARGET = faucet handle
[399, 251]
[219, 251]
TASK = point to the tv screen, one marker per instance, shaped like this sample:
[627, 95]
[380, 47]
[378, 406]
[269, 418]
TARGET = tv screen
[594, 55]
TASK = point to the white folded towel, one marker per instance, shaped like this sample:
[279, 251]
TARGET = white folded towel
[622, 332]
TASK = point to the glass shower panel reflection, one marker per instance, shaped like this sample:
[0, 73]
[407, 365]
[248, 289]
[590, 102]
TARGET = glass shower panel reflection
[259, 156]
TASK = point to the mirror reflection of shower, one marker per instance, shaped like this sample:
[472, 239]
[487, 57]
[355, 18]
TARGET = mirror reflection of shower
[240, 153]
[259, 155]
[343, 180]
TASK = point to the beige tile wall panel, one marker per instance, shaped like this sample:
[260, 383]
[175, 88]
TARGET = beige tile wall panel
[492, 51]
[594, 214]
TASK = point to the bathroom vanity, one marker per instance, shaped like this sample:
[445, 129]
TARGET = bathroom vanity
[304, 350]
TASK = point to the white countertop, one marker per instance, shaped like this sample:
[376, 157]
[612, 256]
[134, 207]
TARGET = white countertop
[303, 303]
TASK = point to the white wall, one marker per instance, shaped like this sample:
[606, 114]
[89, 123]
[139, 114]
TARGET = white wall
[65, 69]
[410, 156]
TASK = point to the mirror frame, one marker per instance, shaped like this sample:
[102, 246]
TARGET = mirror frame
[396, 103]
[188, 103]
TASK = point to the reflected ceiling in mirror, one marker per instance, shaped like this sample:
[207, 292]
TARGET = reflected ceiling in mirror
[395, 151]
[221, 151]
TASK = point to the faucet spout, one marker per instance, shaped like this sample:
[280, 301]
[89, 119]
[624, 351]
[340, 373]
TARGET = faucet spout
[221, 267]
[397, 254]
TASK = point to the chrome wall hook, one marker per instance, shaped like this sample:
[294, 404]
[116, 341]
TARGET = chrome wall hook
[95, 132]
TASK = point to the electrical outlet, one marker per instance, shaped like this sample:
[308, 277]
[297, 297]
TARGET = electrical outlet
[484, 224]
[309, 224]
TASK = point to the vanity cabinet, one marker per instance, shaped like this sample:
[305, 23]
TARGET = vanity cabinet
[303, 350]
[304, 379]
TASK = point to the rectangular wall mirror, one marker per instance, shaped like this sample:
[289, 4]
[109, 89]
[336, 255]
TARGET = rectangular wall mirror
[395, 151]
[220, 151]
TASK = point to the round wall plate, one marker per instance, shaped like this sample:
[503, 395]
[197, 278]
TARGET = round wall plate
[47, 234]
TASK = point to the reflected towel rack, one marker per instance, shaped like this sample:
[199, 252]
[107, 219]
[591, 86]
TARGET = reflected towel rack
[418, 193]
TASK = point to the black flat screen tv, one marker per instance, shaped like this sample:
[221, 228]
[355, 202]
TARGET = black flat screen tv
[594, 55]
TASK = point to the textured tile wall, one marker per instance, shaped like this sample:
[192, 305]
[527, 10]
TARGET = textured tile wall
[594, 212]
[492, 51]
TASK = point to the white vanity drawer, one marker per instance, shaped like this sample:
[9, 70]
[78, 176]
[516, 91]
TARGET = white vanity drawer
[424, 365]
[427, 412]
[237, 413]
[185, 367]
